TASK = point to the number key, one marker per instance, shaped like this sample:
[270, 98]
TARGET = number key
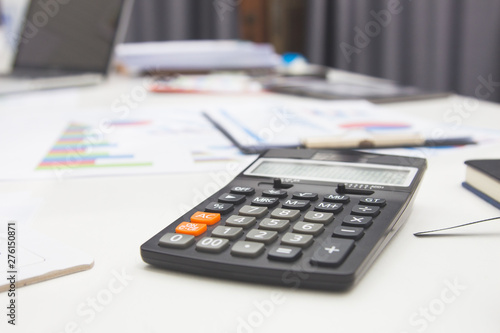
[318, 217]
[211, 244]
[253, 211]
[274, 224]
[287, 214]
[240, 221]
[262, 236]
[302, 241]
[308, 228]
[227, 232]
[177, 241]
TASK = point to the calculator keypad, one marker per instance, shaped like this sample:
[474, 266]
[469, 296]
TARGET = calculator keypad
[292, 226]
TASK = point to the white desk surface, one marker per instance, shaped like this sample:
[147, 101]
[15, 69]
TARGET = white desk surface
[436, 284]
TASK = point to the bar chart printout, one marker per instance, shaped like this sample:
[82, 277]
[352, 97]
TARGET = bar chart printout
[80, 146]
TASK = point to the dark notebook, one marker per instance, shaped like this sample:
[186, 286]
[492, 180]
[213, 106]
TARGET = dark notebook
[482, 177]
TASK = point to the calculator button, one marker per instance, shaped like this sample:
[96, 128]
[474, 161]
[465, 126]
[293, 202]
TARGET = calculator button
[176, 241]
[372, 201]
[221, 208]
[189, 228]
[275, 193]
[247, 249]
[337, 198]
[357, 221]
[318, 217]
[265, 202]
[332, 252]
[288, 214]
[285, 253]
[274, 224]
[232, 198]
[348, 232]
[243, 190]
[240, 221]
[231, 233]
[296, 204]
[253, 211]
[328, 207]
[262, 236]
[212, 244]
[366, 210]
[205, 218]
[302, 241]
[305, 196]
[308, 228]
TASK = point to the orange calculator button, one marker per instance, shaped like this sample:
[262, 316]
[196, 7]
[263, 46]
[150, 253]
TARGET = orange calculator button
[205, 218]
[189, 228]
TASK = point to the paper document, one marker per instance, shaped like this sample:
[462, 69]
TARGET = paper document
[29, 256]
[333, 124]
[100, 143]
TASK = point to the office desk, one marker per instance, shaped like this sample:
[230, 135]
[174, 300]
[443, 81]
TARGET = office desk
[435, 284]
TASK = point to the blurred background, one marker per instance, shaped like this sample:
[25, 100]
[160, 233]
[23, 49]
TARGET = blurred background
[443, 45]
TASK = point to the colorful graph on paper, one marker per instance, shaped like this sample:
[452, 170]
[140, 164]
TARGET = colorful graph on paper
[155, 142]
[80, 146]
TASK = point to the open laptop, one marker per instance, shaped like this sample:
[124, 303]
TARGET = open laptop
[66, 43]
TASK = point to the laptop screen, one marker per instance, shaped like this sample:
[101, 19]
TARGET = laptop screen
[69, 35]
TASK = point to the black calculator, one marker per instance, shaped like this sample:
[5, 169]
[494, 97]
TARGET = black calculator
[300, 218]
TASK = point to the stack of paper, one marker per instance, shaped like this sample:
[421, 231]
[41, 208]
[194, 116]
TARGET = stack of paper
[196, 55]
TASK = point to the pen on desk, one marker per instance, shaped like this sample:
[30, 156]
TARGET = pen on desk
[382, 141]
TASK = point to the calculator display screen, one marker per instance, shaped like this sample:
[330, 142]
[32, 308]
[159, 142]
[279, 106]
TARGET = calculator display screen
[334, 171]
